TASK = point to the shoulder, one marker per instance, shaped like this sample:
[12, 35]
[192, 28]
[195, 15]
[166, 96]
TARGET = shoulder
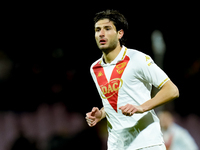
[94, 64]
[139, 57]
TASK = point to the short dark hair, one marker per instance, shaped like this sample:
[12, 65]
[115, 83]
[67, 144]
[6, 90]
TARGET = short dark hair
[118, 20]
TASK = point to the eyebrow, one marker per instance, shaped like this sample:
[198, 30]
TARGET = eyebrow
[107, 26]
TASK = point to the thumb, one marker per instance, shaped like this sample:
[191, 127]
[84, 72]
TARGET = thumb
[94, 110]
[121, 107]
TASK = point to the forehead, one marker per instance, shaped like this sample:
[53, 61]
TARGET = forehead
[104, 22]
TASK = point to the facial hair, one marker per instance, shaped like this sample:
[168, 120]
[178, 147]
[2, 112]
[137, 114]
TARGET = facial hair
[112, 45]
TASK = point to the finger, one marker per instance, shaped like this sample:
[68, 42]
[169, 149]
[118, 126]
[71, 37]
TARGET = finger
[94, 109]
[89, 116]
[122, 107]
[89, 120]
[130, 114]
[126, 110]
[125, 107]
[92, 124]
[134, 110]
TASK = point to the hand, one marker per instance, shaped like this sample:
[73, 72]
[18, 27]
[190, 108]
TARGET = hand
[93, 117]
[129, 109]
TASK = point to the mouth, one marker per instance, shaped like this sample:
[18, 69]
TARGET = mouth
[102, 41]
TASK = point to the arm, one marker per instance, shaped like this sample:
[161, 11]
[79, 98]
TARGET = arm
[95, 116]
[168, 92]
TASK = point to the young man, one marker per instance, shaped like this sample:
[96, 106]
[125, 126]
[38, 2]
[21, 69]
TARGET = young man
[124, 78]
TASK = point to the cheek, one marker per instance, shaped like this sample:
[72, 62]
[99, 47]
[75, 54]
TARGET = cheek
[113, 37]
[96, 37]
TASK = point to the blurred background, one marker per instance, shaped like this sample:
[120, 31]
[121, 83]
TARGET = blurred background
[46, 50]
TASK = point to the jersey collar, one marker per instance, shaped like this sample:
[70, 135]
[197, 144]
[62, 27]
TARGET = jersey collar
[119, 57]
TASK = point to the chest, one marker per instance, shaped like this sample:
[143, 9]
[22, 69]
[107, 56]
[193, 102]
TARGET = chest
[123, 71]
[111, 78]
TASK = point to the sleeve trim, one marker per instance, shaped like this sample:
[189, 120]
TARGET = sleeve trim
[161, 84]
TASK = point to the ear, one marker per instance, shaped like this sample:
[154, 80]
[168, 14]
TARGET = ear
[120, 33]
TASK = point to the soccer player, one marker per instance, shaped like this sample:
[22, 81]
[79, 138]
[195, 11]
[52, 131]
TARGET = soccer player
[124, 78]
[175, 136]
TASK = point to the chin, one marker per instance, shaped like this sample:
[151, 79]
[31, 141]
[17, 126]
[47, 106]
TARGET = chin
[103, 47]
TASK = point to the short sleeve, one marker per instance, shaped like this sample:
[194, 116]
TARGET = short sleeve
[151, 73]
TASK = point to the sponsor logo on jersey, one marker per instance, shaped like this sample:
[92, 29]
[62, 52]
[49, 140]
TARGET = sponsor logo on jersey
[111, 88]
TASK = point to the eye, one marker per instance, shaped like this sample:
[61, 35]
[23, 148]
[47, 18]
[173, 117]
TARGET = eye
[108, 28]
[97, 29]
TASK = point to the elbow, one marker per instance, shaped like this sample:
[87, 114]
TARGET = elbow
[175, 92]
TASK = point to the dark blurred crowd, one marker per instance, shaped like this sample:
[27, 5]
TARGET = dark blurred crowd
[53, 77]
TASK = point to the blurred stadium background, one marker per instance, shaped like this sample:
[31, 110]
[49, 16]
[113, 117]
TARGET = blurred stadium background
[45, 54]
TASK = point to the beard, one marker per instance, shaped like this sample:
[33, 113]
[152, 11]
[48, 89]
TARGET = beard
[110, 47]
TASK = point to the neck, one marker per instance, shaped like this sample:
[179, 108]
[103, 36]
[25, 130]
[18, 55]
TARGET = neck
[111, 55]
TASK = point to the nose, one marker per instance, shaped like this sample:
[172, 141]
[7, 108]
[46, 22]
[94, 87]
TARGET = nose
[102, 33]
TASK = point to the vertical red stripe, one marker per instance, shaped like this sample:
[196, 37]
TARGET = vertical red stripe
[110, 89]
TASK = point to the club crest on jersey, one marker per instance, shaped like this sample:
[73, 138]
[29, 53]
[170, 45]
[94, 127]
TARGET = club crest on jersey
[120, 67]
[111, 88]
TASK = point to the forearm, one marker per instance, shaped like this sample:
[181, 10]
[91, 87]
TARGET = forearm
[103, 113]
[168, 92]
